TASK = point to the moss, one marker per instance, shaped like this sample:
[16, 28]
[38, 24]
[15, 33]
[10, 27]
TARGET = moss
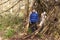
[29, 30]
[1, 27]
[9, 33]
[40, 35]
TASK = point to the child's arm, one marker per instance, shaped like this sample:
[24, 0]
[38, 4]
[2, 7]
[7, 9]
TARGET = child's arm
[43, 17]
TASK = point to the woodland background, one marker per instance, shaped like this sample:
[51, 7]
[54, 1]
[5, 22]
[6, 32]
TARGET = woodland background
[14, 15]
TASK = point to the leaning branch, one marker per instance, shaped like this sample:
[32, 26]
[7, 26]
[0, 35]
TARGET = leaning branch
[4, 2]
[11, 7]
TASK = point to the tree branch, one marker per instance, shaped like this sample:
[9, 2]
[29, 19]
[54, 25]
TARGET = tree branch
[4, 2]
[11, 7]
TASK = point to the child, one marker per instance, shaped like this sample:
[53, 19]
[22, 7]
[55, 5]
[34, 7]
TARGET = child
[34, 18]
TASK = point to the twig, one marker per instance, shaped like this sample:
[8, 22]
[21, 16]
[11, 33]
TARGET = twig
[11, 7]
[4, 2]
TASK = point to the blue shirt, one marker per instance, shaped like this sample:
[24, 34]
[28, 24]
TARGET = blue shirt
[34, 17]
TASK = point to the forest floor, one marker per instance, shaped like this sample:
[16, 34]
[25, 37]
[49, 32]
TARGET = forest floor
[37, 37]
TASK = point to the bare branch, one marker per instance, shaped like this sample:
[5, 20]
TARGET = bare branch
[11, 7]
[4, 2]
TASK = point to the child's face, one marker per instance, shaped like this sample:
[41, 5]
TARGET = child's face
[33, 10]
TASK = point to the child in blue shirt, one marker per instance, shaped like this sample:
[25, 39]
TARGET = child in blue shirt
[34, 18]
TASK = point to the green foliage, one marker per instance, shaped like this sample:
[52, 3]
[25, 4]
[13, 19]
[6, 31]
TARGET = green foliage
[9, 24]
[10, 20]
[9, 33]
[40, 35]
[29, 30]
[1, 27]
